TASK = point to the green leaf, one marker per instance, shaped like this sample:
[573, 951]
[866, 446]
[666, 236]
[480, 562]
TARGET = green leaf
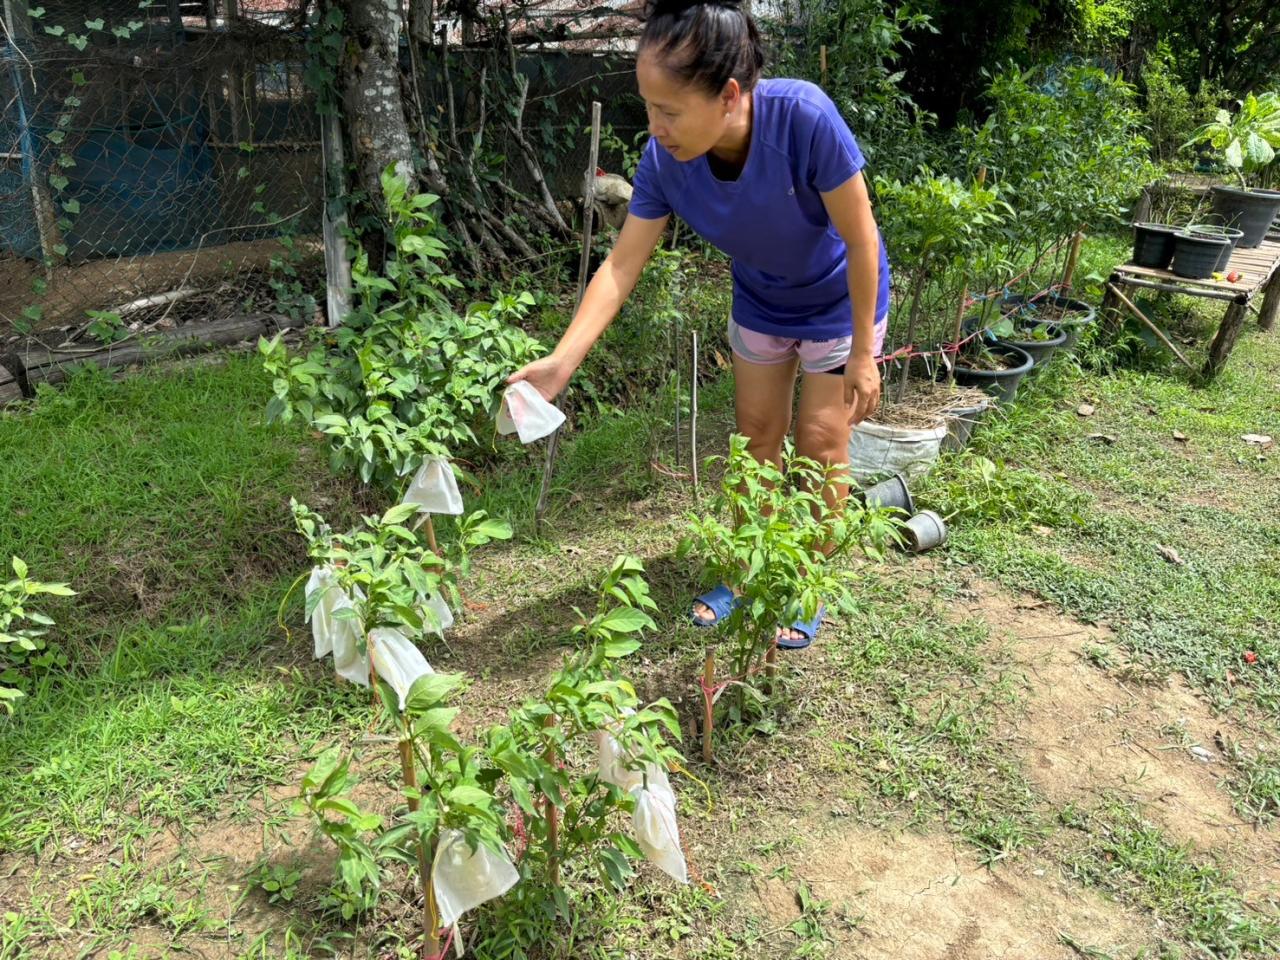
[20, 568]
[467, 795]
[399, 513]
[95, 24]
[618, 648]
[625, 620]
[430, 690]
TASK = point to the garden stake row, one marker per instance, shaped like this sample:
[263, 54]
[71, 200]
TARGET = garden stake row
[584, 264]
[409, 773]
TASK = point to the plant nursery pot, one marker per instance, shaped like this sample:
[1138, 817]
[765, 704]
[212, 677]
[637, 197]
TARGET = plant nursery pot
[1231, 234]
[1001, 384]
[1074, 315]
[1040, 351]
[925, 531]
[890, 493]
[1153, 245]
[1250, 211]
[961, 422]
[1196, 256]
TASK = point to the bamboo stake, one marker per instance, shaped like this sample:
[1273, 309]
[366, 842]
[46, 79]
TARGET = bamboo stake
[409, 773]
[960, 307]
[584, 264]
[1154, 329]
[693, 416]
[553, 821]
[1072, 259]
[708, 675]
[822, 56]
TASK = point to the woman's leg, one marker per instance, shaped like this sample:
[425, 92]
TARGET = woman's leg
[762, 403]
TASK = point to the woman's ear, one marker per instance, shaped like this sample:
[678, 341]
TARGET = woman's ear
[731, 96]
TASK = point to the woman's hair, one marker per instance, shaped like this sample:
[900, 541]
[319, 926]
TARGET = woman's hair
[704, 42]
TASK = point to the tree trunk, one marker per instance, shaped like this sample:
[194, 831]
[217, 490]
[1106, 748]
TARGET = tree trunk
[373, 109]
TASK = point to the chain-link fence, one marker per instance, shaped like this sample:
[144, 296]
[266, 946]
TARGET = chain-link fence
[156, 169]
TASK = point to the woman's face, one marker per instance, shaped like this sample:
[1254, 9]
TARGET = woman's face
[685, 119]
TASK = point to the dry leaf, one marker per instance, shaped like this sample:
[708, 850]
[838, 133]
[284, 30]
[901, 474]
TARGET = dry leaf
[1085, 409]
[1170, 554]
[1104, 437]
[1261, 439]
[1042, 530]
[1180, 436]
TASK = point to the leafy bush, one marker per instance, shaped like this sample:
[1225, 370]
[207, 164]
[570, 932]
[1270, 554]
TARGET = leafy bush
[22, 631]
[1247, 139]
[405, 376]
[970, 487]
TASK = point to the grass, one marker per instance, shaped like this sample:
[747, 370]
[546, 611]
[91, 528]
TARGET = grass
[1132, 859]
[164, 500]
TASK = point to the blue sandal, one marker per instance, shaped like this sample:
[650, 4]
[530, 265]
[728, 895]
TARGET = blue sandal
[809, 629]
[720, 601]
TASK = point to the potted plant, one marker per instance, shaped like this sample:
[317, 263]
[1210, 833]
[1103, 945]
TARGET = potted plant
[1247, 140]
[936, 228]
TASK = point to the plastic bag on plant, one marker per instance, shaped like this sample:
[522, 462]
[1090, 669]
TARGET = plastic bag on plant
[526, 413]
[463, 879]
[332, 634]
[614, 759]
[396, 660]
[434, 488]
[437, 605]
[654, 822]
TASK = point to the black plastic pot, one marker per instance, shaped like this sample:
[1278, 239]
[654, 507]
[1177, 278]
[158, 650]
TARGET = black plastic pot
[1001, 384]
[1196, 256]
[1080, 313]
[892, 492]
[1153, 245]
[1250, 211]
[961, 422]
[1230, 234]
[1041, 351]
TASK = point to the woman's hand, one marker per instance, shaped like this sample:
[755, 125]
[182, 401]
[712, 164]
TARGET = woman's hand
[861, 388]
[549, 376]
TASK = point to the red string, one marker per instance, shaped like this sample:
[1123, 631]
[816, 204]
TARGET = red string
[444, 948]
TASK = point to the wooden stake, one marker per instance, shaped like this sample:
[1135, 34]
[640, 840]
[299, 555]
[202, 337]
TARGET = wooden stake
[822, 57]
[584, 264]
[1072, 259]
[431, 536]
[960, 307]
[1113, 289]
[693, 416]
[409, 773]
[708, 675]
[337, 263]
[552, 813]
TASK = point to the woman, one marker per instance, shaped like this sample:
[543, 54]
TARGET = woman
[769, 172]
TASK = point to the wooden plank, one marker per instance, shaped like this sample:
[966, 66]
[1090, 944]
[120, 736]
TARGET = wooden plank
[1225, 341]
[53, 366]
[1247, 285]
[10, 388]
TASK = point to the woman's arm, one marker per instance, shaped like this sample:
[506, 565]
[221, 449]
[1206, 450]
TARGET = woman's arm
[606, 293]
[849, 207]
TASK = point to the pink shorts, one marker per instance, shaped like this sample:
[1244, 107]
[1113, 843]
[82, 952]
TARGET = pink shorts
[816, 356]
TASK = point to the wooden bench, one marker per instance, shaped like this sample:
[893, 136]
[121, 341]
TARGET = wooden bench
[1259, 269]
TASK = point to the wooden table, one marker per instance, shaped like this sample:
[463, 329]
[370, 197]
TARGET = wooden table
[1259, 269]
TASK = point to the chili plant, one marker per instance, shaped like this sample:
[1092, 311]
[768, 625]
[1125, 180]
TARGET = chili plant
[22, 630]
[773, 539]
[518, 787]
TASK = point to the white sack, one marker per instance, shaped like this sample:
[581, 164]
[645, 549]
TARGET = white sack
[876, 450]
[434, 488]
[526, 413]
[655, 826]
[463, 880]
[396, 660]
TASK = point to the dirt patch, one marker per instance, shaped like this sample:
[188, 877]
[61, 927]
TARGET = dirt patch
[920, 897]
[1085, 731]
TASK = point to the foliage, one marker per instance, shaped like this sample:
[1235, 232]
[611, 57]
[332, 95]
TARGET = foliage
[1247, 138]
[940, 230]
[771, 535]
[1173, 112]
[973, 488]
[506, 791]
[866, 43]
[404, 377]
[391, 577]
[22, 630]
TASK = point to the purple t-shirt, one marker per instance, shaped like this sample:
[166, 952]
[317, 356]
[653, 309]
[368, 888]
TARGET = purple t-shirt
[790, 273]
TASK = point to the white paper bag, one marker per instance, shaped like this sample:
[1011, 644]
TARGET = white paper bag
[654, 822]
[397, 660]
[434, 488]
[332, 634]
[463, 880]
[526, 413]
[437, 605]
